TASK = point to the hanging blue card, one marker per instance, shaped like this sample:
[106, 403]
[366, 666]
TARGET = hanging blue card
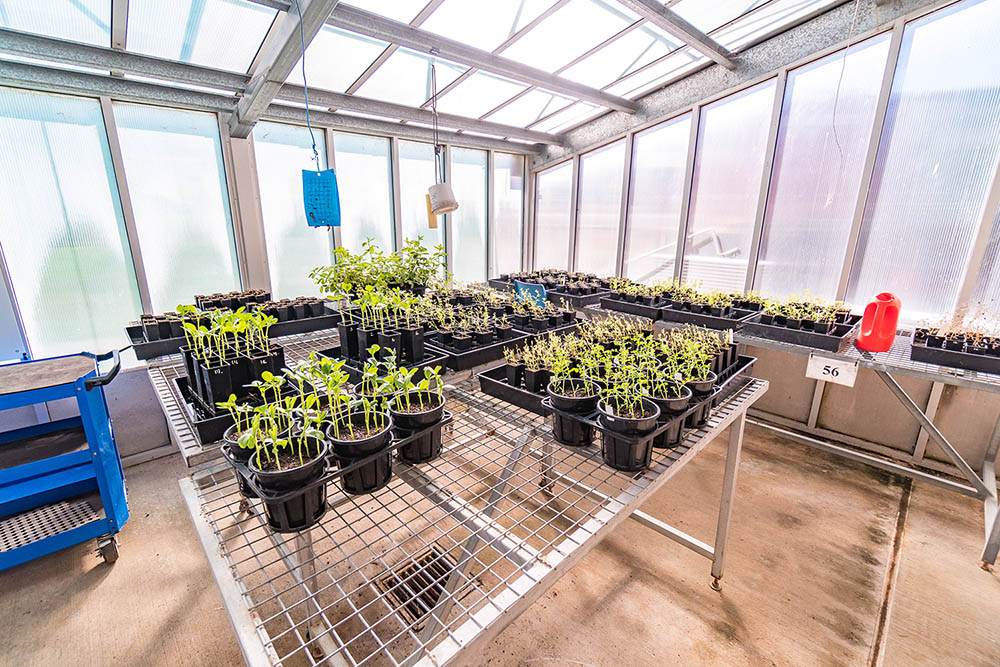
[321, 198]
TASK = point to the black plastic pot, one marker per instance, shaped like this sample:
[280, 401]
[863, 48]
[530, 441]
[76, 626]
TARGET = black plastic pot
[301, 311]
[483, 337]
[567, 430]
[302, 510]
[701, 389]
[151, 329]
[348, 340]
[373, 475]
[515, 374]
[413, 344]
[670, 409]
[568, 316]
[461, 341]
[216, 382]
[632, 451]
[428, 446]
[391, 341]
[366, 338]
[536, 381]
[505, 333]
[240, 373]
[232, 452]
[539, 323]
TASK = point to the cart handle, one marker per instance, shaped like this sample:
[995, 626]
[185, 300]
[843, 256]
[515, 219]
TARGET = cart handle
[101, 380]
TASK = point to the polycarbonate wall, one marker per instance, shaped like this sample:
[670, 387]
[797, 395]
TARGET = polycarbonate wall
[77, 279]
[918, 119]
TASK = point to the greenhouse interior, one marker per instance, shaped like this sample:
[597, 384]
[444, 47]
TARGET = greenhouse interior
[511, 332]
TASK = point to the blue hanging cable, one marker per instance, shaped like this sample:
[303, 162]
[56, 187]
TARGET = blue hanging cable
[305, 87]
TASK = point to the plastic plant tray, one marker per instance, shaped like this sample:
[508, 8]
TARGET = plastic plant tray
[965, 361]
[432, 357]
[159, 348]
[210, 428]
[493, 382]
[578, 301]
[830, 342]
[460, 360]
[642, 310]
[669, 314]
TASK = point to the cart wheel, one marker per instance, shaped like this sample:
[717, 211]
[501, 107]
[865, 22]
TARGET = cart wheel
[108, 548]
[716, 583]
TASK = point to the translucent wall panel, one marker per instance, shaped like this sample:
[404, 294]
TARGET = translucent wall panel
[732, 137]
[659, 159]
[468, 223]
[416, 174]
[87, 21]
[553, 203]
[216, 33]
[599, 212]
[293, 247]
[822, 142]
[62, 229]
[938, 149]
[177, 182]
[508, 212]
[364, 177]
[986, 295]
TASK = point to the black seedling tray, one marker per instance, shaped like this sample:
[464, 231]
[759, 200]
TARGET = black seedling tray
[670, 314]
[354, 368]
[966, 361]
[210, 428]
[578, 301]
[332, 471]
[496, 283]
[460, 360]
[494, 383]
[830, 342]
[652, 312]
[159, 348]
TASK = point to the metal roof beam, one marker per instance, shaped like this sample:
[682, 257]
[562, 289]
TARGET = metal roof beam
[49, 79]
[282, 48]
[379, 27]
[382, 128]
[390, 110]
[101, 57]
[670, 22]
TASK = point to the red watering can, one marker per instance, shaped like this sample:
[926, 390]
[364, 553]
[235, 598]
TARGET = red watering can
[878, 326]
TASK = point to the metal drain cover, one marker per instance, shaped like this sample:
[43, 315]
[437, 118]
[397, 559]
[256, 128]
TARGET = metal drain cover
[46, 521]
[415, 586]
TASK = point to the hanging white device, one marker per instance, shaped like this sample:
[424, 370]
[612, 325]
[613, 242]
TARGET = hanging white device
[441, 195]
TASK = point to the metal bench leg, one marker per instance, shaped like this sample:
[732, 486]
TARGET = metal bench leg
[728, 495]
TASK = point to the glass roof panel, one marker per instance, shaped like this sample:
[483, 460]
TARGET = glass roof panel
[569, 32]
[405, 78]
[707, 16]
[774, 16]
[673, 66]
[87, 21]
[623, 56]
[485, 25]
[529, 108]
[224, 34]
[397, 10]
[568, 117]
[479, 93]
[336, 58]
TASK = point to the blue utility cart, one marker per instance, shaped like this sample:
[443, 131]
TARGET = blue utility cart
[61, 482]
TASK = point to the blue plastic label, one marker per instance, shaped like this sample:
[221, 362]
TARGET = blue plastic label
[321, 198]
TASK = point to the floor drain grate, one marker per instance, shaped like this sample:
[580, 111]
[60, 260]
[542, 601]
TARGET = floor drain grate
[415, 586]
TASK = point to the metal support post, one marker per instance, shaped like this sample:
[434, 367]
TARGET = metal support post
[728, 495]
[936, 435]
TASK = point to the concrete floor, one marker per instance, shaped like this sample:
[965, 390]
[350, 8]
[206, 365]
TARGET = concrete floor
[812, 540]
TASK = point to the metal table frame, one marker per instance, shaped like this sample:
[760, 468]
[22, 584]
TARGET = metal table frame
[981, 485]
[517, 509]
